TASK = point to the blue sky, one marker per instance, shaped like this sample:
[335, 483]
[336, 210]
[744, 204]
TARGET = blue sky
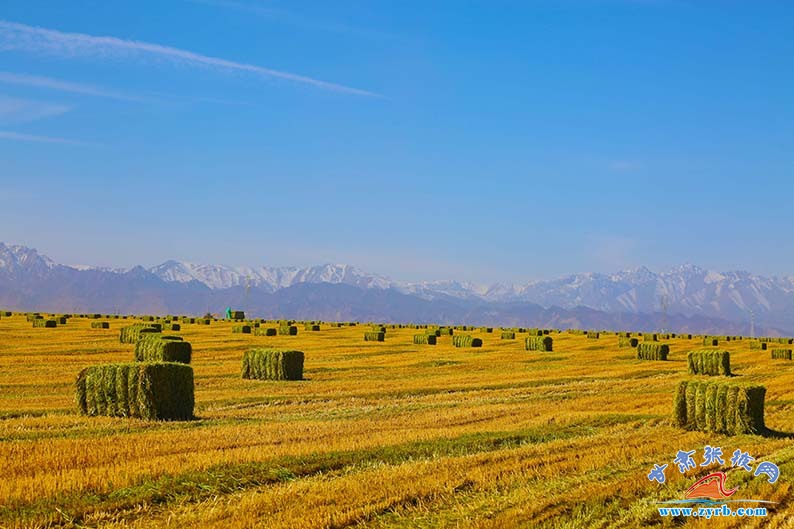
[486, 141]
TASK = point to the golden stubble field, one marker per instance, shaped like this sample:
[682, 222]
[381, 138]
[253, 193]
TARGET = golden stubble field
[379, 435]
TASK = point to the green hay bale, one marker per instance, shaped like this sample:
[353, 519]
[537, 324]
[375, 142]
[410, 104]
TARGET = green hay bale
[172, 327]
[100, 325]
[489, 329]
[781, 354]
[265, 331]
[652, 351]
[680, 405]
[721, 406]
[538, 343]
[725, 407]
[446, 331]
[433, 332]
[711, 410]
[311, 327]
[593, 335]
[709, 362]
[151, 390]
[45, 323]
[710, 341]
[288, 330]
[700, 407]
[241, 329]
[378, 328]
[508, 335]
[650, 337]
[131, 333]
[272, 364]
[627, 342]
[465, 340]
[372, 336]
[425, 339]
[158, 348]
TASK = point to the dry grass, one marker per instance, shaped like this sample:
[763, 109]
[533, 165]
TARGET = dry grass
[379, 434]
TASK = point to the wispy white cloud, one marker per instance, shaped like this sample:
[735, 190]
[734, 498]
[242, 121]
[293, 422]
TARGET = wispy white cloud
[14, 110]
[60, 85]
[20, 37]
[18, 136]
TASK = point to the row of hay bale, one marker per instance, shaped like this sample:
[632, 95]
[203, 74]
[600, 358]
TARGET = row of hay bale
[158, 385]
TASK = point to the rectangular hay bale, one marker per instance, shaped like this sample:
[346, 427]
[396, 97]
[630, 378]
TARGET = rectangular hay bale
[148, 390]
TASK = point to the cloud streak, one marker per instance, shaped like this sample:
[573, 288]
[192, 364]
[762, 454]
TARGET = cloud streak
[17, 136]
[20, 37]
[13, 110]
[63, 86]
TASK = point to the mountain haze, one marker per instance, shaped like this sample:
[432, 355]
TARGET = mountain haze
[696, 299]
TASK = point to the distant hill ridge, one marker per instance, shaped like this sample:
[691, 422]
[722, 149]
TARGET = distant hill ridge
[696, 298]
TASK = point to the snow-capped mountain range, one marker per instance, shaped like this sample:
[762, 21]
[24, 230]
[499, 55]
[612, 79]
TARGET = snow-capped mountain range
[687, 290]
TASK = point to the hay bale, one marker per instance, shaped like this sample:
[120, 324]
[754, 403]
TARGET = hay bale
[465, 340]
[508, 335]
[652, 351]
[131, 333]
[425, 339]
[433, 332]
[100, 325]
[710, 341]
[172, 327]
[724, 407]
[241, 329]
[650, 337]
[158, 348]
[265, 331]
[624, 341]
[311, 327]
[150, 390]
[781, 354]
[593, 335]
[711, 362]
[238, 315]
[538, 343]
[272, 364]
[758, 345]
[372, 336]
[41, 322]
[287, 330]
